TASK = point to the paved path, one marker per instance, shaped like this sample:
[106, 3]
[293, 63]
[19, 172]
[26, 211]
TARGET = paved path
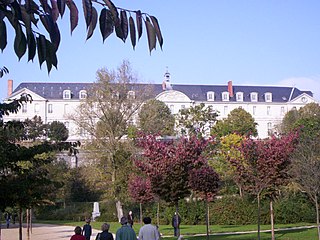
[41, 232]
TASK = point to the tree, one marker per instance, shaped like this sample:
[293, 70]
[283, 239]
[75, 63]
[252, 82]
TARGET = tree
[238, 121]
[24, 16]
[34, 128]
[196, 120]
[263, 167]
[205, 182]
[155, 118]
[168, 165]
[105, 115]
[57, 131]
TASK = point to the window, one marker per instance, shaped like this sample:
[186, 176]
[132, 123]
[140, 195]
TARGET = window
[254, 97]
[239, 96]
[225, 96]
[131, 95]
[83, 94]
[268, 110]
[254, 110]
[268, 97]
[36, 108]
[66, 94]
[67, 125]
[282, 110]
[269, 127]
[24, 108]
[66, 109]
[210, 96]
[50, 108]
[225, 110]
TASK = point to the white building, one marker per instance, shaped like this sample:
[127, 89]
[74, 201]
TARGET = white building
[267, 104]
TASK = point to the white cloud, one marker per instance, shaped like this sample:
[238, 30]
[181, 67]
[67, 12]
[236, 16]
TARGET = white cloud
[304, 83]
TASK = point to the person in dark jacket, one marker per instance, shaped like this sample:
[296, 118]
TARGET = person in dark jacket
[105, 234]
[87, 229]
[176, 220]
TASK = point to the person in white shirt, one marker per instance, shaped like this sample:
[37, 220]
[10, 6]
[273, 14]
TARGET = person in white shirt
[148, 231]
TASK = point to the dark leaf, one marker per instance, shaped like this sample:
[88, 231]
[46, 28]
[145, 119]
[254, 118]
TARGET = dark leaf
[51, 58]
[151, 34]
[20, 42]
[31, 7]
[118, 28]
[139, 23]
[41, 47]
[55, 36]
[132, 32]
[87, 10]
[93, 23]
[112, 8]
[32, 46]
[157, 29]
[61, 6]
[55, 10]
[106, 23]
[3, 35]
[34, 20]
[124, 24]
[74, 14]
[17, 10]
[26, 19]
[46, 7]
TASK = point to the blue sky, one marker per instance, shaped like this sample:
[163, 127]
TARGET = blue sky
[259, 42]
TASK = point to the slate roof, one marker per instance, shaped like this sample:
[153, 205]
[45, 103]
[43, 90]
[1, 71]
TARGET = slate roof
[194, 92]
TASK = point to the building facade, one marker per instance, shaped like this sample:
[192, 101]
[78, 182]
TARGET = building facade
[267, 104]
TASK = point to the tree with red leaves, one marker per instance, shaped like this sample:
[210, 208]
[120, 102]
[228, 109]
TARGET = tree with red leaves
[205, 182]
[263, 167]
[168, 165]
[140, 191]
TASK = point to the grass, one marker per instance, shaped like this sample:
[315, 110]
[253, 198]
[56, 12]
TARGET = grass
[190, 232]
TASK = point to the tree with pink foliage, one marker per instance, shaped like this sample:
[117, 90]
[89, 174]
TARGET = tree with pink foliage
[140, 191]
[205, 182]
[168, 165]
[263, 167]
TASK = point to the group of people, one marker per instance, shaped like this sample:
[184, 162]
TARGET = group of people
[147, 232]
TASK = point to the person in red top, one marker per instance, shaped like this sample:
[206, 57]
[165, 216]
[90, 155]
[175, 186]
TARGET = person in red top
[77, 235]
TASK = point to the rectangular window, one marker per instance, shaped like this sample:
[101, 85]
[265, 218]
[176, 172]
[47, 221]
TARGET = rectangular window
[282, 111]
[268, 110]
[36, 108]
[66, 108]
[50, 108]
[254, 110]
[225, 110]
[24, 108]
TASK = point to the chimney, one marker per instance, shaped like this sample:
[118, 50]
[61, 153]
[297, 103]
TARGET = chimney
[10, 87]
[230, 89]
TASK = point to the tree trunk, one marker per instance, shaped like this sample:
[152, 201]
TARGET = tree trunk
[317, 211]
[158, 210]
[177, 219]
[31, 220]
[140, 213]
[258, 198]
[28, 222]
[20, 223]
[207, 219]
[272, 220]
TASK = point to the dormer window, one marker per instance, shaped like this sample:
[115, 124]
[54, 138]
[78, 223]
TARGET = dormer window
[225, 96]
[131, 95]
[268, 97]
[83, 94]
[239, 96]
[210, 96]
[66, 94]
[254, 97]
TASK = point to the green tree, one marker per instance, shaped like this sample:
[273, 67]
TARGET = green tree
[238, 121]
[34, 128]
[196, 120]
[23, 17]
[105, 116]
[155, 118]
[57, 131]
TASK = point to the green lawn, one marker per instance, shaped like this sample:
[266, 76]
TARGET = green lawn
[190, 231]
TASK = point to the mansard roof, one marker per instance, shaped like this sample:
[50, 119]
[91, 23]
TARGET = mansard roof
[54, 91]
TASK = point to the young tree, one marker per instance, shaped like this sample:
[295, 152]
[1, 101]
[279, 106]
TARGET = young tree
[264, 166]
[238, 121]
[196, 120]
[105, 115]
[205, 182]
[57, 131]
[168, 165]
[23, 17]
[155, 118]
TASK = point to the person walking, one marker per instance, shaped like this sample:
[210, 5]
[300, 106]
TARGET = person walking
[130, 218]
[125, 232]
[7, 217]
[148, 231]
[77, 235]
[105, 234]
[87, 229]
[176, 220]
